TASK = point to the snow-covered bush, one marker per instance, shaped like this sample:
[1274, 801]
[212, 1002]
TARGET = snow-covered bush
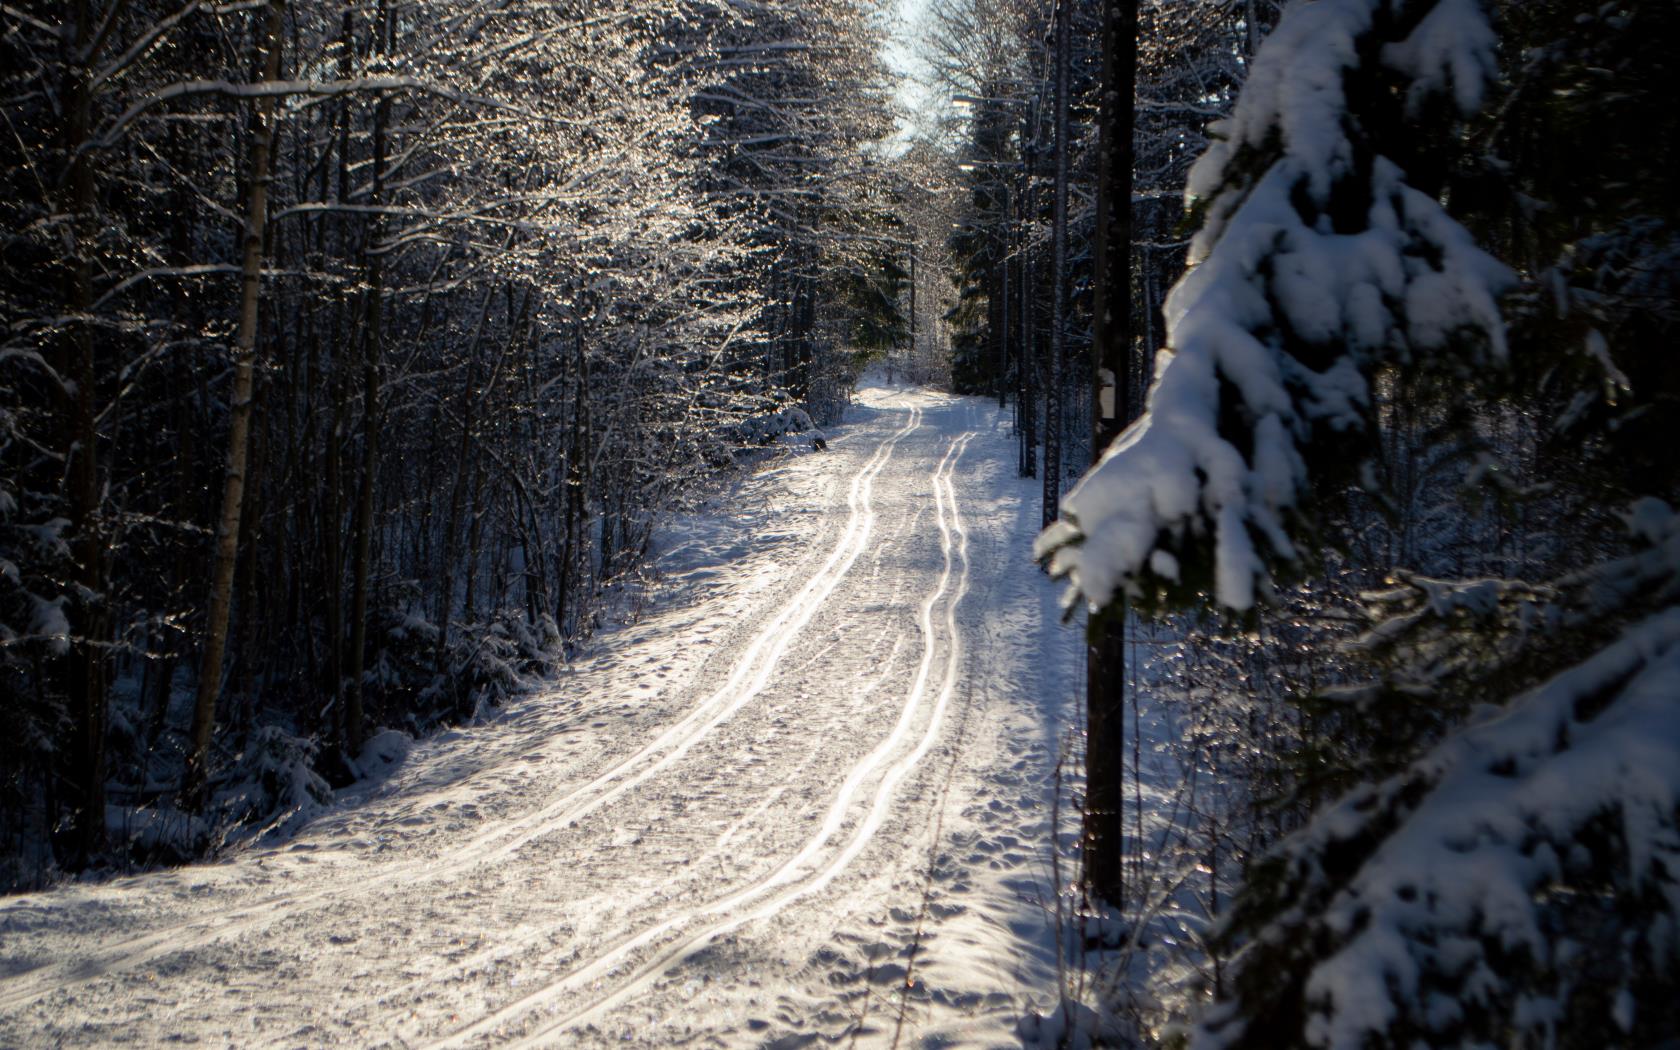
[769, 426]
[273, 782]
[34, 629]
[1324, 256]
[490, 662]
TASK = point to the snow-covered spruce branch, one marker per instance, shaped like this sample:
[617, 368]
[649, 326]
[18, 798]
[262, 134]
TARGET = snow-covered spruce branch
[1454, 875]
[1453, 634]
[1318, 263]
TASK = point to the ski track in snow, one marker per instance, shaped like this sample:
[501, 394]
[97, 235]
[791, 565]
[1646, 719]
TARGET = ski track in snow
[826, 755]
[751, 673]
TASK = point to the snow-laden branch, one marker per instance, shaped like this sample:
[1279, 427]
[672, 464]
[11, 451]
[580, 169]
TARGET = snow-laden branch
[34, 357]
[153, 273]
[1489, 844]
[146, 41]
[196, 270]
[291, 88]
[1318, 263]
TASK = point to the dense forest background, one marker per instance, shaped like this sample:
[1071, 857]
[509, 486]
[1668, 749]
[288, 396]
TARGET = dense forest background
[353, 351]
[1392, 539]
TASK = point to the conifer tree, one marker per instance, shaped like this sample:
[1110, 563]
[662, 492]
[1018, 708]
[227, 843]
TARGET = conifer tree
[1377, 245]
[1322, 258]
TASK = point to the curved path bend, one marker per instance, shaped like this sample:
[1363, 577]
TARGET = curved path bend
[804, 800]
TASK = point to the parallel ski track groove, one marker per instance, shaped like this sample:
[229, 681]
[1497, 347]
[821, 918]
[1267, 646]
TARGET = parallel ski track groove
[954, 545]
[503, 947]
[774, 639]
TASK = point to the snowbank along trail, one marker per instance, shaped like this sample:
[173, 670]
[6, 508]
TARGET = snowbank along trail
[806, 799]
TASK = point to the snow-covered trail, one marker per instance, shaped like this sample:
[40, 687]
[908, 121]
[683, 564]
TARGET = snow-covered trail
[807, 799]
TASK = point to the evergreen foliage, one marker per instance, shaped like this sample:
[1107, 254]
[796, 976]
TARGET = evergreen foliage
[1408, 423]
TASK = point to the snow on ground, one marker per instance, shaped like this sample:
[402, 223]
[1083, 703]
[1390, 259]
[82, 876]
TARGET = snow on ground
[805, 800]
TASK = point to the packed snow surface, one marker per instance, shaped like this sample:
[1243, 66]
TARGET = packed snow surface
[805, 799]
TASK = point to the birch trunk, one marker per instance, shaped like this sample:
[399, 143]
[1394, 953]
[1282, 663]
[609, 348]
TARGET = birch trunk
[239, 425]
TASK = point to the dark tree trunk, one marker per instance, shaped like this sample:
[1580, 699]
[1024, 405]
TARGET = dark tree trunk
[239, 426]
[362, 568]
[1058, 271]
[1028, 360]
[332, 539]
[458, 490]
[332, 589]
[1105, 681]
[86, 669]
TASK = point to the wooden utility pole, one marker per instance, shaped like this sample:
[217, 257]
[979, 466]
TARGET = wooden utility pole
[1105, 663]
[239, 422]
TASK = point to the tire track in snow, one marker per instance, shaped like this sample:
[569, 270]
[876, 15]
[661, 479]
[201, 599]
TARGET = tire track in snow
[748, 677]
[796, 877]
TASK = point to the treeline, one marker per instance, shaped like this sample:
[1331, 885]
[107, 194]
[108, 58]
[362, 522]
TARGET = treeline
[353, 348]
[1394, 540]
[1027, 80]
[1396, 528]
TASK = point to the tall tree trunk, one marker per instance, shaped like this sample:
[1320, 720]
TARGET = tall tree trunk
[1105, 663]
[354, 712]
[574, 490]
[476, 513]
[458, 489]
[332, 539]
[997, 320]
[249, 649]
[1058, 272]
[239, 424]
[1000, 380]
[804, 323]
[912, 361]
[1028, 363]
[332, 589]
[86, 670]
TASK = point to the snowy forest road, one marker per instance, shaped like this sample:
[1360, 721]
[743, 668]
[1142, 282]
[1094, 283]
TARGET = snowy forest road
[806, 797]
